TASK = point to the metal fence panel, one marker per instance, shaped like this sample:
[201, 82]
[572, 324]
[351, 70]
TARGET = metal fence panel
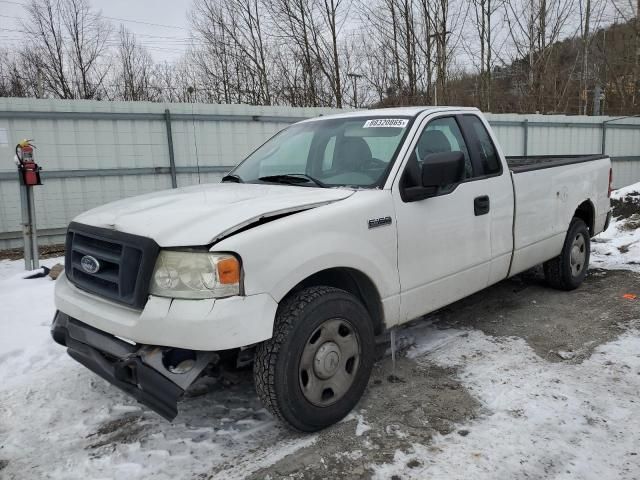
[97, 152]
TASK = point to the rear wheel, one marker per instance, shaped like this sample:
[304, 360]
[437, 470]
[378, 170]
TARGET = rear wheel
[568, 270]
[314, 369]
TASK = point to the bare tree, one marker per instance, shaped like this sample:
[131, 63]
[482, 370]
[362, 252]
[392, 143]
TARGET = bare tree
[48, 46]
[484, 11]
[12, 82]
[629, 10]
[235, 27]
[395, 46]
[68, 44]
[134, 71]
[88, 34]
[293, 23]
[534, 28]
[425, 45]
[328, 47]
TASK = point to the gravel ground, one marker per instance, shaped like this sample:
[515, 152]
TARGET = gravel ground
[44, 251]
[429, 400]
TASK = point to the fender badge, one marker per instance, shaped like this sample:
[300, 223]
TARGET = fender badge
[379, 222]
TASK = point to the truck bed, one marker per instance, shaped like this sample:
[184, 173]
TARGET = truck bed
[519, 164]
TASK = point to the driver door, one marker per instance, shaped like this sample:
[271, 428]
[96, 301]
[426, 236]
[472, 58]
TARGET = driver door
[444, 248]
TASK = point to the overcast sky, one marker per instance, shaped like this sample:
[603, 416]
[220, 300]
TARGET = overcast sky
[164, 42]
[162, 25]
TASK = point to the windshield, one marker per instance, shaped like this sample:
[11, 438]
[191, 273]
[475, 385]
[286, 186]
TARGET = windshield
[353, 151]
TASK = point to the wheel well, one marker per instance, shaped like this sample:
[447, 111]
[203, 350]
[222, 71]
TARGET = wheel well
[354, 282]
[586, 213]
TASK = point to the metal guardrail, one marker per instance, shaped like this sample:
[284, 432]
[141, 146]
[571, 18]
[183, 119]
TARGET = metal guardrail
[167, 117]
[42, 232]
[40, 115]
[116, 172]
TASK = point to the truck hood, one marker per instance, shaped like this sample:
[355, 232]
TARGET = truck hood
[202, 214]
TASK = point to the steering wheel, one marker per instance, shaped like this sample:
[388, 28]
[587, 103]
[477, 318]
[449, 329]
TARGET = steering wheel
[374, 163]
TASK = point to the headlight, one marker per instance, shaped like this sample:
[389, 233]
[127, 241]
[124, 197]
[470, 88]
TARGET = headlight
[195, 275]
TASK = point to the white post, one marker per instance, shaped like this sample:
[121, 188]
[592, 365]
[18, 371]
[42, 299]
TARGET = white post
[34, 232]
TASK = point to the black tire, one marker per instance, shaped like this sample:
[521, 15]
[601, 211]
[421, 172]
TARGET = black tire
[278, 361]
[562, 272]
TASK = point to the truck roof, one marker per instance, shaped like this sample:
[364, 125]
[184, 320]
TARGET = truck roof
[395, 111]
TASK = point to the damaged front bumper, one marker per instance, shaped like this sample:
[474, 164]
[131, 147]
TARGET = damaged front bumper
[607, 221]
[147, 373]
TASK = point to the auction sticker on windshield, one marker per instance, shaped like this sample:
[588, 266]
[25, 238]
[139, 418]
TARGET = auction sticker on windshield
[386, 122]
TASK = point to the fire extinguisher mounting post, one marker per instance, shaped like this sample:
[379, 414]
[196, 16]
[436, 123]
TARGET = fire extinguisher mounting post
[25, 222]
[28, 177]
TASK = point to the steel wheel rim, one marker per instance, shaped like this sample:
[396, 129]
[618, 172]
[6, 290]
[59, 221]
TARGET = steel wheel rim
[329, 362]
[578, 255]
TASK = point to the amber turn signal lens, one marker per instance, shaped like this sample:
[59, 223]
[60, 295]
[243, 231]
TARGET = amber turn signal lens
[228, 271]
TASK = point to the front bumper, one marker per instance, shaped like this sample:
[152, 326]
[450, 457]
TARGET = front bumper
[139, 370]
[211, 324]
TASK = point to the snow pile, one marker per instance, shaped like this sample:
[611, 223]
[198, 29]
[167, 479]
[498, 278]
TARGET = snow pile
[619, 246]
[624, 192]
[26, 311]
[544, 420]
[58, 420]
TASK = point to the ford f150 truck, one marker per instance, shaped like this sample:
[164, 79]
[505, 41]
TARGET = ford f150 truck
[333, 231]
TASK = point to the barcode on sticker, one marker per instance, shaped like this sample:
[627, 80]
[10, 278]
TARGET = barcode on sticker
[386, 122]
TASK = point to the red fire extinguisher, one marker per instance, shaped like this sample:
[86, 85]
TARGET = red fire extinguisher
[29, 169]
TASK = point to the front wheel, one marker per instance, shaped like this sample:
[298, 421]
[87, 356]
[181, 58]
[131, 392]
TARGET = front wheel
[568, 270]
[315, 368]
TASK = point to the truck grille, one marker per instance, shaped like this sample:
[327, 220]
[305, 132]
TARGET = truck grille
[114, 265]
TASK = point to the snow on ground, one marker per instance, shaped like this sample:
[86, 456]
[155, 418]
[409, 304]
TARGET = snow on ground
[26, 311]
[60, 421]
[542, 420]
[619, 245]
[620, 193]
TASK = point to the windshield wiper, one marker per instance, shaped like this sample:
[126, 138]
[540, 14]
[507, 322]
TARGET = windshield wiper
[232, 177]
[293, 179]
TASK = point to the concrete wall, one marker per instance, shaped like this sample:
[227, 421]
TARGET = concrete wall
[96, 152]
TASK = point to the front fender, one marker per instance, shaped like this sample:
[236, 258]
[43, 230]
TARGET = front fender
[280, 254]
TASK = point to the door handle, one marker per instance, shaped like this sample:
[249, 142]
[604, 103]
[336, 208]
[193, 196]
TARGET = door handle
[481, 205]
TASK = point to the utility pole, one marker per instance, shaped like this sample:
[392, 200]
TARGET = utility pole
[585, 53]
[355, 77]
[532, 43]
[637, 59]
[597, 98]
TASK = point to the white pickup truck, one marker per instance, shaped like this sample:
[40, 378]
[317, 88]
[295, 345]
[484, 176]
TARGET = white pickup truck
[335, 230]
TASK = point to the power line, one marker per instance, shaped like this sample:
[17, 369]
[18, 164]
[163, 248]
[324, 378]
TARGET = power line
[139, 22]
[146, 23]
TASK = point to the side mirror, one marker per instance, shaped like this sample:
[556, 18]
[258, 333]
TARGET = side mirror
[442, 169]
[437, 170]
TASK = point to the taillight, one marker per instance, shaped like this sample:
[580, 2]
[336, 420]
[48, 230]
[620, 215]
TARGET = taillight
[610, 182]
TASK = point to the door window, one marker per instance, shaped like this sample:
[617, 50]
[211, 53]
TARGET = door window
[443, 135]
[440, 135]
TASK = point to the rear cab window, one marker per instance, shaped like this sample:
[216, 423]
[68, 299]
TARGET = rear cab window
[482, 145]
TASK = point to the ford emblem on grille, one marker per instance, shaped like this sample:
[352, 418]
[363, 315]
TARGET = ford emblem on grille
[90, 264]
